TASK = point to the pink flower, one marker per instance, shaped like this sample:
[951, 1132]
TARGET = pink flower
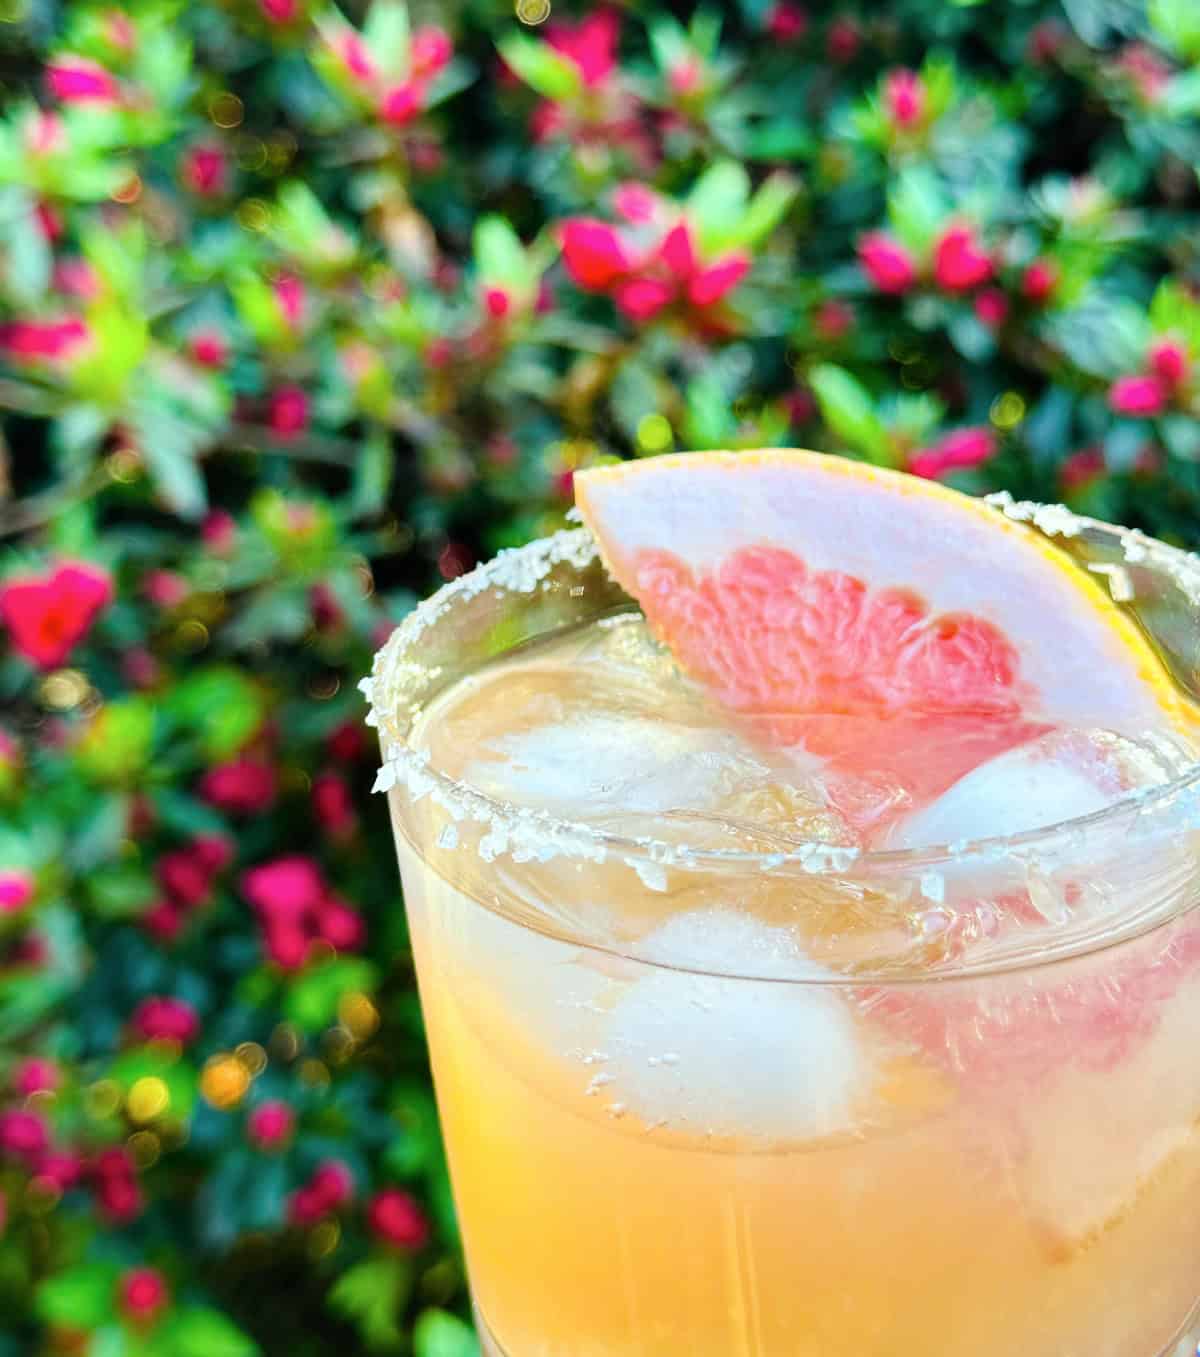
[957, 450]
[396, 1218]
[843, 40]
[43, 341]
[330, 1187]
[886, 263]
[49, 221]
[1146, 71]
[279, 11]
[339, 925]
[327, 613]
[163, 920]
[1142, 395]
[286, 888]
[1081, 468]
[286, 943]
[991, 308]
[204, 170]
[208, 348]
[685, 76]
[402, 103]
[35, 1075]
[23, 1134]
[119, 31]
[786, 21]
[333, 805]
[244, 786]
[165, 1018]
[288, 412]
[75, 277]
[678, 251]
[1039, 281]
[904, 98]
[1168, 359]
[269, 1126]
[63, 1168]
[959, 263]
[16, 890]
[165, 588]
[431, 50]
[712, 283]
[185, 879]
[354, 55]
[593, 253]
[76, 80]
[590, 45]
[833, 319]
[291, 299]
[143, 1294]
[641, 299]
[346, 743]
[497, 302]
[45, 133]
[213, 852]
[218, 532]
[1045, 42]
[636, 203]
[48, 615]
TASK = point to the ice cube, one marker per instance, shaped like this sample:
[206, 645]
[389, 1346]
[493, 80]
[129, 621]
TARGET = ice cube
[1060, 776]
[770, 1059]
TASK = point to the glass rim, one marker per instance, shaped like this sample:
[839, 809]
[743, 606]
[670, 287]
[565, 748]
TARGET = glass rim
[520, 570]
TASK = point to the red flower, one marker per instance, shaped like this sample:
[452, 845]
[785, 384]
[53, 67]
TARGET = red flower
[395, 1217]
[279, 11]
[213, 852]
[641, 299]
[1039, 281]
[904, 98]
[497, 302]
[204, 170]
[1138, 396]
[1168, 359]
[76, 80]
[43, 341]
[590, 45]
[962, 448]
[288, 413]
[164, 1018]
[35, 1075]
[347, 743]
[333, 805]
[718, 279]
[185, 879]
[991, 308]
[23, 1134]
[163, 920]
[959, 263]
[593, 253]
[339, 925]
[887, 263]
[16, 890]
[285, 889]
[244, 786]
[269, 1126]
[431, 50]
[143, 1294]
[402, 103]
[786, 22]
[48, 615]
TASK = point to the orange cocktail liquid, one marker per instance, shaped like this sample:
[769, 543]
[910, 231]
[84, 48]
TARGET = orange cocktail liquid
[651, 1159]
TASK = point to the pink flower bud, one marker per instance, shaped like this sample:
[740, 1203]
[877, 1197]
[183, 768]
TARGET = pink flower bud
[49, 221]
[685, 76]
[1142, 395]
[48, 615]
[287, 415]
[165, 1018]
[204, 170]
[165, 588]
[843, 40]
[218, 532]
[641, 299]
[269, 1126]
[402, 103]
[786, 22]
[957, 450]
[1039, 281]
[118, 1195]
[636, 203]
[339, 925]
[62, 1168]
[332, 1183]
[1146, 71]
[23, 1134]
[45, 133]
[209, 349]
[244, 786]
[346, 742]
[886, 263]
[76, 80]
[593, 253]
[143, 1295]
[214, 852]
[35, 1075]
[1045, 42]
[51, 341]
[305, 1207]
[991, 308]
[396, 1218]
[185, 880]
[904, 98]
[833, 320]
[497, 302]
[327, 612]
[354, 55]
[717, 280]
[286, 888]
[119, 31]
[590, 45]
[333, 804]
[16, 890]
[279, 11]
[1168, 359]
[291, 298]
[286, 943]
[431, 50]
[75, 277]
[959, 263]
[1080, 469]
[163, 920]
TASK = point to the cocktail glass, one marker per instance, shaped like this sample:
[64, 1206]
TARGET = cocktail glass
[688, 1154]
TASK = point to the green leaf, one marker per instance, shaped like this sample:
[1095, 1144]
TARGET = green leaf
[118, 740]
[1177, 22]
[717, 201]
[709, 421]
[169, 446]
[917, 207]
[198, 1331]
[372, 1294]
[372, 475]
[386, 34]
[544, 70]
[30, 257]
[121, 892]
[438, 1333]
[767, 209]
[312, 998]
[222, 705]
[499, 255]
[849, 411]
[80, 1298]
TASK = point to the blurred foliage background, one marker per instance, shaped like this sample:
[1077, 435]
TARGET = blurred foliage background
[304, 310]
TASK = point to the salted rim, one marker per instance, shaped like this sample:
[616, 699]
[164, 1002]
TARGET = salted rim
[539, 834]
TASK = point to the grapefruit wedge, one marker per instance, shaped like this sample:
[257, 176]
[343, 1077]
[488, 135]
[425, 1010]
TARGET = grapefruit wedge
[803, 589]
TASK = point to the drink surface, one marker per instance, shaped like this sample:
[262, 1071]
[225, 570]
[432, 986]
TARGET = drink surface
[724, 1127]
